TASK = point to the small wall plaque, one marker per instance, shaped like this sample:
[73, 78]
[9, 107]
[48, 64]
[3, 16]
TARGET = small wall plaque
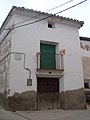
[18, 56]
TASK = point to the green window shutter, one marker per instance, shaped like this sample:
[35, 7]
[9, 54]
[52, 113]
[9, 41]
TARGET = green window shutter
[47, 57]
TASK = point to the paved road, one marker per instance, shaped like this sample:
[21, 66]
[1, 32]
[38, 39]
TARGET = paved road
[7, 115]
[46, 115]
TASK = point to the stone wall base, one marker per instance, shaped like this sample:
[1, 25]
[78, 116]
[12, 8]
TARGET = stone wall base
[27, 101]
[71, 100]
[3, 100]
[23, 101]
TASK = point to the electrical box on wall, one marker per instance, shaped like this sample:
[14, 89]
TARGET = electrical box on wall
[29, 82]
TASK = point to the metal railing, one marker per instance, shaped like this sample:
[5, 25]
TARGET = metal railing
[49, 61]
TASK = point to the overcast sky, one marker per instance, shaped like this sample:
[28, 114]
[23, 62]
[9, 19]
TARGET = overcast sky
[80, 12]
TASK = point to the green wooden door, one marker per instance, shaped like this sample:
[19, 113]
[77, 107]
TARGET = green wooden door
[47, 57]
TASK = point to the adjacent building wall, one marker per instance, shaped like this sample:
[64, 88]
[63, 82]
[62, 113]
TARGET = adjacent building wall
[85, 53]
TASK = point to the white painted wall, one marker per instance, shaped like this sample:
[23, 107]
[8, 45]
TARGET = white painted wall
[27, 40]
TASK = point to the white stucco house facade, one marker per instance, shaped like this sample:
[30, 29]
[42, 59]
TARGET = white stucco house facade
[40, 61]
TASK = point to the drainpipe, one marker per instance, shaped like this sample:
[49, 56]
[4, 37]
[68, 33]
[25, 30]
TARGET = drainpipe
[23, 62]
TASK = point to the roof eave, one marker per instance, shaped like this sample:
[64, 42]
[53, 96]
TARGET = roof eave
[80, 23]
[6, 20]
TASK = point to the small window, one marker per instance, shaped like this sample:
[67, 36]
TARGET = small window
[86, 85]
[51, 25]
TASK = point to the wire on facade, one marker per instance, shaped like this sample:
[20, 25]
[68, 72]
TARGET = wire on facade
[42, 18]
[59, 5]
[50, 15]
[6, 35]
[46, 11]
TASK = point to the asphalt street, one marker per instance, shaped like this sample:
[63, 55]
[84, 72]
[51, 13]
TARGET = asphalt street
[46, 115]
[7, 115]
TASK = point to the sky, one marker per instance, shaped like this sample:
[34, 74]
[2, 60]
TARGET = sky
[80, 12]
